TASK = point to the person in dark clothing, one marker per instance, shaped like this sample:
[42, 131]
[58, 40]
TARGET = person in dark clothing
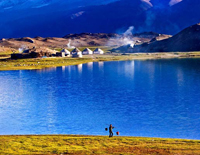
[110, 130]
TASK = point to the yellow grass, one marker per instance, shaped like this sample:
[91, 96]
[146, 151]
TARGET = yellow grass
[40, 63]
[71, 144]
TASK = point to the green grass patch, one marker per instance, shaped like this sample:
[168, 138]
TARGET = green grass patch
[40, 63]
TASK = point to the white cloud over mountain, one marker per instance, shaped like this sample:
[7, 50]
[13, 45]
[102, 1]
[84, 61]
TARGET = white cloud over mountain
[173, 2]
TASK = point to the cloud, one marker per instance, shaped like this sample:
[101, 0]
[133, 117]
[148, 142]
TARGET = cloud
[173, 2]
[129, 31]
[78, 14]
[146, 1]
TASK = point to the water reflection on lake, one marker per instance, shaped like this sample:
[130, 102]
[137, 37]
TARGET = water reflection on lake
[154, 98]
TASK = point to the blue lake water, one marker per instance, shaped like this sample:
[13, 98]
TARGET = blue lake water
[152, 98]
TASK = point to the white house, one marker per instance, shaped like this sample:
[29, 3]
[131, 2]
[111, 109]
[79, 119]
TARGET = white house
[76, 53]
[87, 51]
[98, 51]
[65, 52]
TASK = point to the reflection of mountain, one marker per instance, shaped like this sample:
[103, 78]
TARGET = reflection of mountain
[58, 18]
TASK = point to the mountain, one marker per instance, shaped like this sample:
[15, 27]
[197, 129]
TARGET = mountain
[155, 15]
[184, 41]
[117, 16]
[21, 18]
[79, 40]
[55, 18]
[27, 4]
[46, 21]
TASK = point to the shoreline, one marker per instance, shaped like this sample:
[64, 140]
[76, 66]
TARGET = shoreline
[86, 144]
[42, 63]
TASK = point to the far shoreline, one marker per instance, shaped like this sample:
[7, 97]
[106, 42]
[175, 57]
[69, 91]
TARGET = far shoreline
[42, 63]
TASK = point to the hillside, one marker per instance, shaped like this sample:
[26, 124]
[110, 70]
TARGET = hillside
[186, 40]
[78, 40]
[75, 145]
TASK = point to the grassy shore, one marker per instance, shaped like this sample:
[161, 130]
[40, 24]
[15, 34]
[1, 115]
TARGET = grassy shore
[40, 63]
[71, 144]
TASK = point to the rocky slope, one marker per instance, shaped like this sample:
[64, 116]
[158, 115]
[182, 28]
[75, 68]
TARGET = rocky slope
[80, 40]
[186, 40]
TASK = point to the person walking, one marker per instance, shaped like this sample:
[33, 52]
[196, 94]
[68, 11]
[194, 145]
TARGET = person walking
[110, 130]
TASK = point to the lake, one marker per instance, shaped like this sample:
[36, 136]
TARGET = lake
[151, 98]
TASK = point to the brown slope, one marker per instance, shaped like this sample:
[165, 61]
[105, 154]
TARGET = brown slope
[185, 41]
[79, 40]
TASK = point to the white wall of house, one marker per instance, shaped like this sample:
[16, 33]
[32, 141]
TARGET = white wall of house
[77, 54]
[87, 52]
[99, 52]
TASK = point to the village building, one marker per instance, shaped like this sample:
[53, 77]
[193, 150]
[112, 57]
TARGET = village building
[98, 51]
[76, 53]
[34, 53]
[63, 53]
[87, 51]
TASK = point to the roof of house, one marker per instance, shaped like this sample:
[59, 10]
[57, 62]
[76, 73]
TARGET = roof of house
[98, 50]
[65, 50]
[76, 50]
[87, 50]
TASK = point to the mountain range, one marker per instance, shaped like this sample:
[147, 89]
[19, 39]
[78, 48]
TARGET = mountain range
[56, 18]
[186, 40]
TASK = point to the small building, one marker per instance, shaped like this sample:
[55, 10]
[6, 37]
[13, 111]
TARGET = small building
[19, 56]
[76, 53]
[34, 53]
[87, 51]
[98, 51]
[63, 53]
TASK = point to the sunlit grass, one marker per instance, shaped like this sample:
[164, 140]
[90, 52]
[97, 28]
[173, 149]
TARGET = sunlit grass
[65, 144]
[40, 63]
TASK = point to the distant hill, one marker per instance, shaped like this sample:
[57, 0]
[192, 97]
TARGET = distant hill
[186, 40]
[79, 40]
[71, 41]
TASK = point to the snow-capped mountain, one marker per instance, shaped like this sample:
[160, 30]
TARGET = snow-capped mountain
[24, 4]
[48, 18]
[4, 4]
